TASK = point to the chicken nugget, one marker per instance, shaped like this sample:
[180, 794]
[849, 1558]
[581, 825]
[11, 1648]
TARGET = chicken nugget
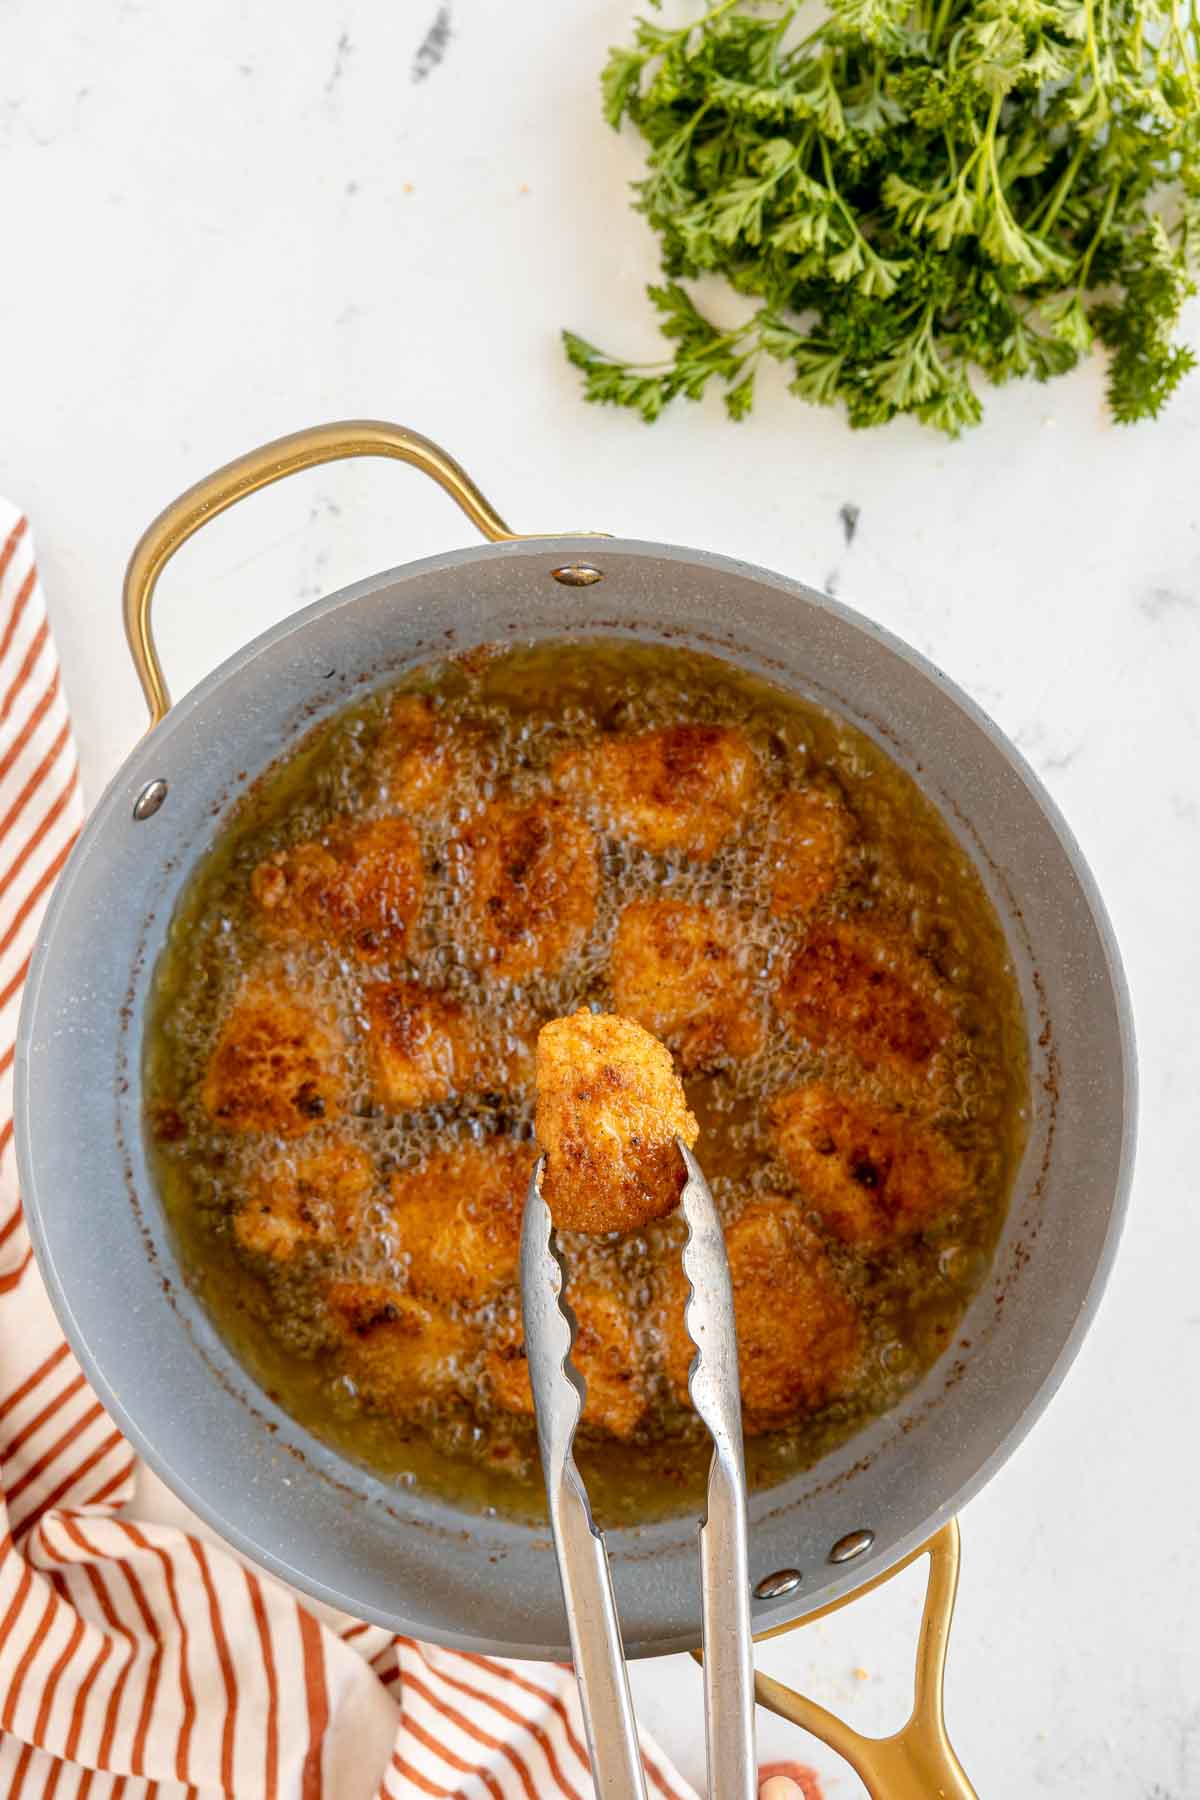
[680, 971]
[359, 889]
[799, 1336]
[874, 1175]
[276, 1066]
[457, 1218]
[605, 1354]
[422, 1046]
[868, 991]
[532, 877]
[401, 1352]
[609, 1108]
[684, 787]
[809, 838]
[417, 755]
[309, 1201]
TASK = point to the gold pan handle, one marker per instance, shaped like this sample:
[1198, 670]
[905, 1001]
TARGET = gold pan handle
[257, 469]
[918, 1761]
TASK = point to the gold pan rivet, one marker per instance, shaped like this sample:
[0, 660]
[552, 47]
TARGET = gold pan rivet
[577, 575]
[853, 1544]
[149, 800]
[773, 1587]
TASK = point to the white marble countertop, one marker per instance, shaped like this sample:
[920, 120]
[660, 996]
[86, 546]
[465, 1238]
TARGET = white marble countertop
[224, 222]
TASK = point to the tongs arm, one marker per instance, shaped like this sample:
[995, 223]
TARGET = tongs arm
[724, 1570]
[596, 1649]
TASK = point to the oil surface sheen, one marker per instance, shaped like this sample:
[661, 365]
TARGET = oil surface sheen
[858, 1071]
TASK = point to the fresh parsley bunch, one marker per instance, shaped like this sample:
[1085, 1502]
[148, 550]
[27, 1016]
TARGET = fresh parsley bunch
[911, 189]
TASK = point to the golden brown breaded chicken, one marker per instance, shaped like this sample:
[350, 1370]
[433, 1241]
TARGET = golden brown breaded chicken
[685, 787]
[359, 889]
[810, 835]
[870, 992]
[401, 1352]
[457, 1218]
[874, 1175]
[508, 1370]
[306, 1201]
[799, 1336]
[276, 1066]
[609, 1108]
[678, 969]
[422, 1046]
[532, 876]
[605, 1354]
[417, 755]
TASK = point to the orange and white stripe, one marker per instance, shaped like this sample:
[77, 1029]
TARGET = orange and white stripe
[136, 1660]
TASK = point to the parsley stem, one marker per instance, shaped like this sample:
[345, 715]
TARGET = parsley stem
[940, 17]
[1093, 52]
[1043, 222]
[836, 197]
[952, 153]
[714, 12]
[710, 344]
[1105, 221]
[777, 35]
[988, 143]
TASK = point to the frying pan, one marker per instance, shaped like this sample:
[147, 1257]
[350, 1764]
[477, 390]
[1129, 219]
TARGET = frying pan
[403, 1558]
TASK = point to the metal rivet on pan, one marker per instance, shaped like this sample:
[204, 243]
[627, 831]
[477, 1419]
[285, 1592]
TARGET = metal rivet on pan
[149, 800]
[773, 1587]
[850, 1546]
[577, 575]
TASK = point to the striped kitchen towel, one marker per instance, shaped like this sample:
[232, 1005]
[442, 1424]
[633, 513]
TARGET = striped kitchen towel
[136, 1659]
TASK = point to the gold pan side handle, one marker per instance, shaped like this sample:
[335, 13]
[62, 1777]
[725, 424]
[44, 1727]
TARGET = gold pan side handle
[918, 1761]
[257, 469]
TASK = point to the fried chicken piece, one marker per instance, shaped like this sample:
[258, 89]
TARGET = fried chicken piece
[417, 755]
[532, 877]
[276, 1066]
[678, 969]
[609, 1107]
[685, 787]
[508, 1370]
[401, 1352]
[605, 1354]
[360, 888]
[799, 1336]
[424, 1047]
[810, 835]
[874, 1175]
[868, 991]
[311, 1201]
[457, 1217]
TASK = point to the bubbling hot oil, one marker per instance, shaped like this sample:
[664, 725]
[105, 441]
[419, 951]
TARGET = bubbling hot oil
[517, 711]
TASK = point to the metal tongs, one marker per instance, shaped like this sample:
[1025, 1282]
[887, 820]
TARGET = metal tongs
[558, 1395]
